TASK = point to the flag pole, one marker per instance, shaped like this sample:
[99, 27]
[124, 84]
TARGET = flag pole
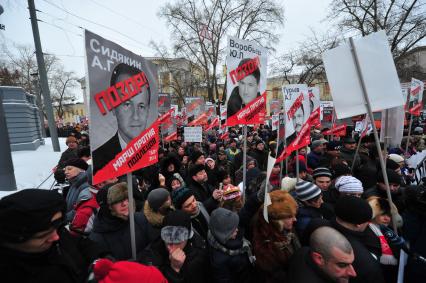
[131, 214]
[376, 138]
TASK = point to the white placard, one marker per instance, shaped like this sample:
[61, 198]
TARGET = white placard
[193, 134]
[378, 71]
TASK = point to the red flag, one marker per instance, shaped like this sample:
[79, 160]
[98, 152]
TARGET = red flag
[171, 137]
[224, 136]
[336, 131]
[214, 123]
[201, 120]
[253, 113]
[416, 109]
[303, 139]
[314, 118]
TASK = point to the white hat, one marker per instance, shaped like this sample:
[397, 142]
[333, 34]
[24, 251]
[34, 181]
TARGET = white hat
[349, 184]
[396, 157]
[288, 184]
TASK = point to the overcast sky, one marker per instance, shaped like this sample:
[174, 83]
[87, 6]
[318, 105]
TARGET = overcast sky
[137, 21]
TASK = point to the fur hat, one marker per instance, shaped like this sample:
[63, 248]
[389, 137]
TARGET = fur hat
[180, 195]
[282, 205]
[195, 169]
[77, 162]
[117, 193]
[195, 155]
[70, 139]
[380, 206]
[288, 184]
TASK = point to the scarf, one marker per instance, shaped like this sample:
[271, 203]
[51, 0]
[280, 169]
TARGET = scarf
[387, 257]
[245, 249]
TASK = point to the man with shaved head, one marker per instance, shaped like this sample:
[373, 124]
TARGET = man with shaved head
[328, 259]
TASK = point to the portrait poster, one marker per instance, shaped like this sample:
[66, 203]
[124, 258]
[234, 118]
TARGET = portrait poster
[210, 111]
[246, 63]
[416, 96]
[194, 106]
[223, 113]
[164, 103]
[123, 108]
[314, 98]
[327, 109]
[275, 106]
[296, 106]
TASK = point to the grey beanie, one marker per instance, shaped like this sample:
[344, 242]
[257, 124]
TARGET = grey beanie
[307, 190]
[156, 198]
[223, 223]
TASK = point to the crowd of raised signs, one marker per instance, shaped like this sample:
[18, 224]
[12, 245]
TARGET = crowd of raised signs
[195, 221]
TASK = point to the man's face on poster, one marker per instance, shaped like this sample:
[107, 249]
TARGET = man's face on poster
[132, 115]
[247, 88]
[298, 119]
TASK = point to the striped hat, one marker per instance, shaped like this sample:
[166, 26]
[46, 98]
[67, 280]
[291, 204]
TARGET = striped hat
[306, 190]
[321, 172]
[349, 185]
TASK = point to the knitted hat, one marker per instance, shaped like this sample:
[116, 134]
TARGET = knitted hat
[28, 212]
[418, 130]
[156, 198]
[195, 155]
[77, 162]
[180, 195]
[353, 210]
[317, 143]
[231, 192]
[288, 184]
[106, 271]
[117, 193]
[321, 172]
[302, 167]
[70, 139]
[393, 177]
[396, 157]
[223, 223]
[208, 159]
[307, 190]
[195, 169]
[282, 205]
[177, 227]
[349, 185]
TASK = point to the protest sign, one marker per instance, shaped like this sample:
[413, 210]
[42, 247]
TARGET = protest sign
[275, 122]
[267, 200]
[175, 108]
[210, 111]
[246, 82]
[327, 108]
[193, 134]
[194, 106]
[303, 139]
[275, 106]
[296, 106]
[164, 103]
[118, 82]
[395, 129]
[314, 98]
[416, 97]
[378, 71]
[223, 112]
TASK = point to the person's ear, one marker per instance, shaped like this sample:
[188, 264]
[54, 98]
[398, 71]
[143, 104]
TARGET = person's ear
[317, 258]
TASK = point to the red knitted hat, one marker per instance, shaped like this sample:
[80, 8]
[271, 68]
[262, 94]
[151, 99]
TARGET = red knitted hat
[107, 271]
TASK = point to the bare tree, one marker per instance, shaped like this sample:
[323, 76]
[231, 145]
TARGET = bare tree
[200, 27]
[403, 20]
[187, 78]
[21, 61]
[305, 65]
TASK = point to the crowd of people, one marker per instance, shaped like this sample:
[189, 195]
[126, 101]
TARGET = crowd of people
[195, 220]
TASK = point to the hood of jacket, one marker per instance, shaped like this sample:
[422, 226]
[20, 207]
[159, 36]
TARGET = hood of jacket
[154, 218]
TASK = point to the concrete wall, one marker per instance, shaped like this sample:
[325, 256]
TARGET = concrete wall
[23, 122]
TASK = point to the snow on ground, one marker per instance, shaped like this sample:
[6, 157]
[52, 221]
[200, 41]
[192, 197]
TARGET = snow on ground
[33, 166]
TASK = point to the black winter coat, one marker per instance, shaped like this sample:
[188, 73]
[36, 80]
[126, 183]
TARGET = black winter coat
[302, 269]
[195, 269]
[67, 261]
[203, 193]
[367, 268]
[113, 234]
